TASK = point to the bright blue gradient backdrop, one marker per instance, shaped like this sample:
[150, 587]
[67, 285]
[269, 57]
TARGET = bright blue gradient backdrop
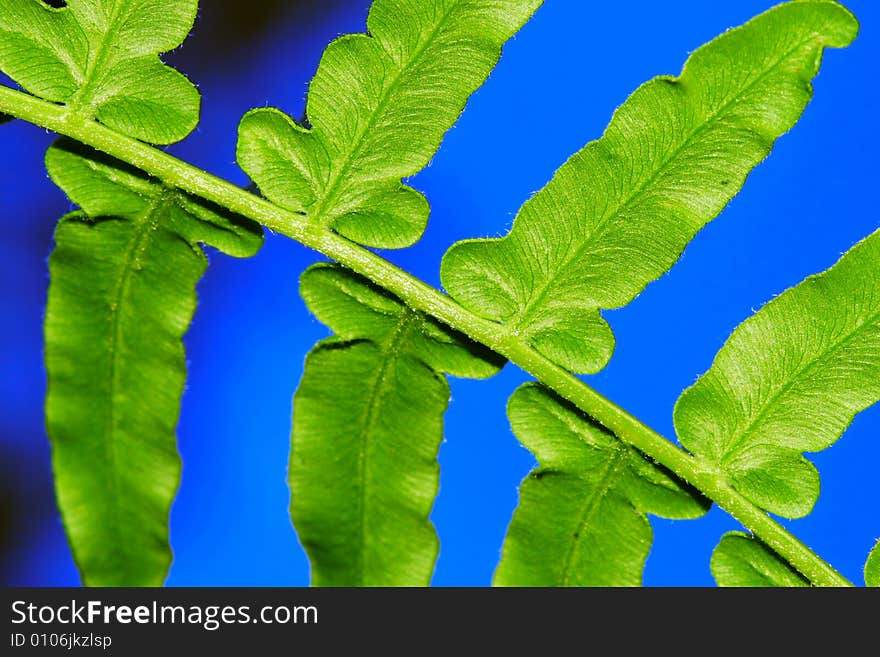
[555, 90]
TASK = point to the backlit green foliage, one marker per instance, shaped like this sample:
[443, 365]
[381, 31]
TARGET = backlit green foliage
[740, 560]
[872, 567]
[368, 413]
[367, 426]
[790, 380]
[100, 57]
[619, 213]
[378, 108]
[581, 519]
[124, 273]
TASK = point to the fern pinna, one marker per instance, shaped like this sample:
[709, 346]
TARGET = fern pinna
[368, 413]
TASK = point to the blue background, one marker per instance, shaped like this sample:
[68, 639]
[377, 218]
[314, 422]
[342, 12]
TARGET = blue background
[557, 85]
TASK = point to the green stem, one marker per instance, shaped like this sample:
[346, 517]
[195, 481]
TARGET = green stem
[424, 298]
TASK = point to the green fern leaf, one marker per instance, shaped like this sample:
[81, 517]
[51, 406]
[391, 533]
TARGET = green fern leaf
[872, 567]
[619, 213]
[378, 108]
[100, 57]
[741, 561]
[367, 425]
[790, 380]
[581, 518]
[123, 275]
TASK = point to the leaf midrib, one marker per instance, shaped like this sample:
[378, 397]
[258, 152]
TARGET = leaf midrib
[127, 181]
[331, 189]
[609, 474]
[140, 241]
[390, 352]
[871, 320]
[520, 320]
[81, 100]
